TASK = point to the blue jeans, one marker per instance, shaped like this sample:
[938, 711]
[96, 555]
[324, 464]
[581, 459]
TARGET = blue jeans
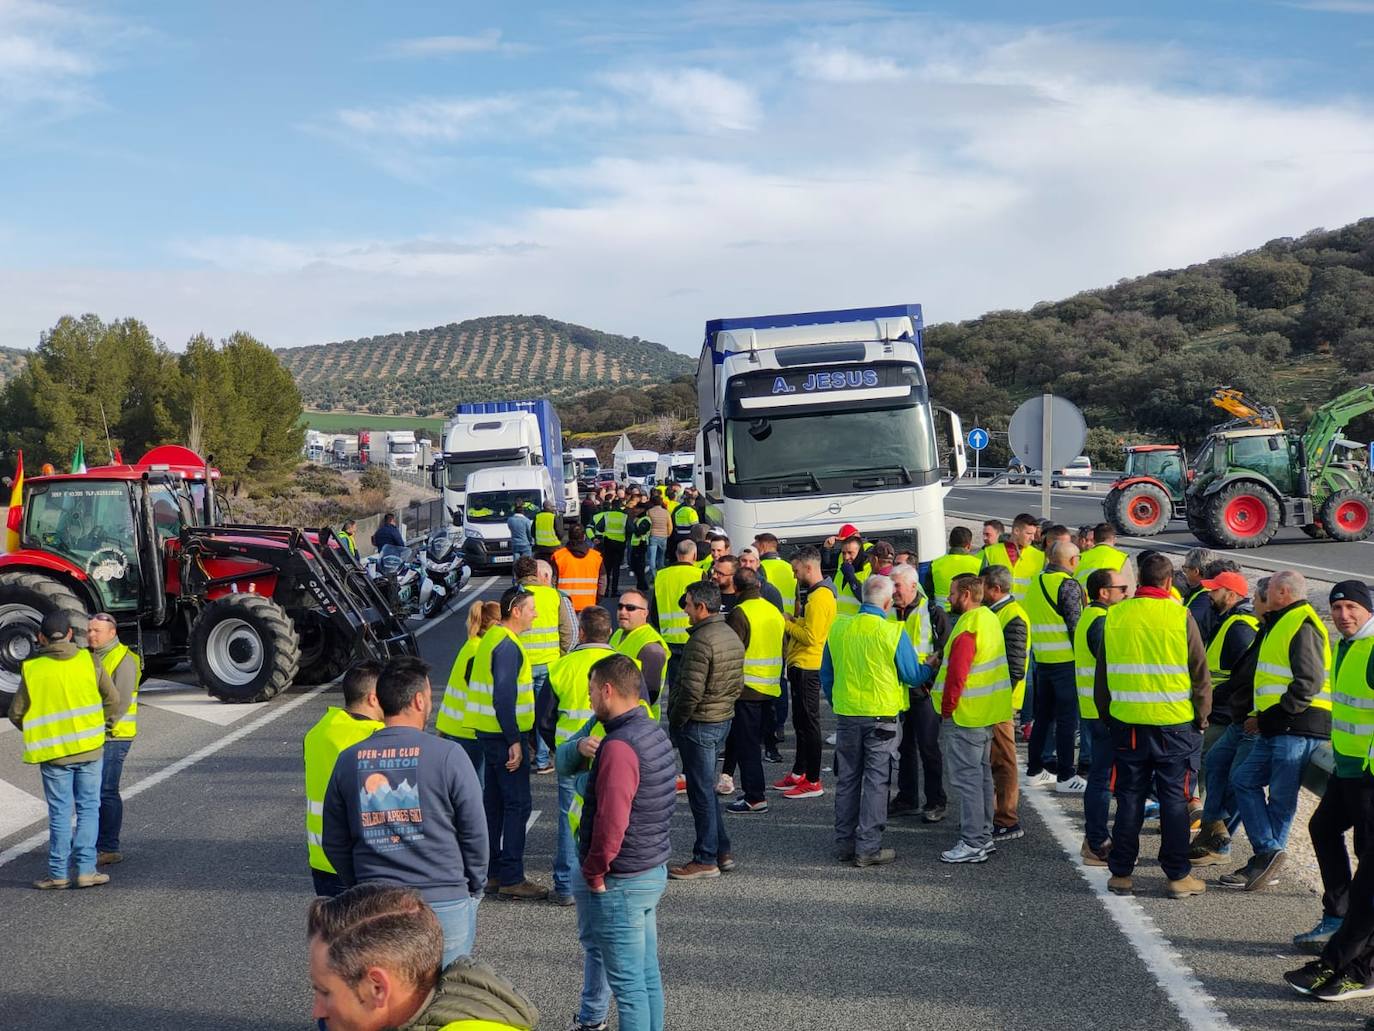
[1277, 763]
[565, 857]
[655, 558]
[506, 797]
[624, 924]
[1097, 799]
[595, 1003]
[66, 788]
[1056, 702]
[540, 676]
[459, 921]
[700, 745]
[1227, 753]
[473, 748]
[111, 805]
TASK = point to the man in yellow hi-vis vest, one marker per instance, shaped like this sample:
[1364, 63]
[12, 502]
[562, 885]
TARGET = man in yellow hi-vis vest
[390, 973]
[125, 671]
[64, 703]
[1006, 779]
[1152, 681]
[926, 627]
[1105, 587]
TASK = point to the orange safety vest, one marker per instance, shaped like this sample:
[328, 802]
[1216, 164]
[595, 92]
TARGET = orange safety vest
[577, 577]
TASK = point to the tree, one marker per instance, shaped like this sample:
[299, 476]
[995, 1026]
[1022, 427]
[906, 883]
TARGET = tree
[1263, 281]
[1340, 300]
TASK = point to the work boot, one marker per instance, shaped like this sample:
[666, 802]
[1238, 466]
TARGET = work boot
[525, 891]
[1185, 886]
[1210, 851]
[51, 883]
[92, 880]
[725, 862]
[1094, 856]
[880, 858]
[108, 858]
[693, 871]
[1120, 885]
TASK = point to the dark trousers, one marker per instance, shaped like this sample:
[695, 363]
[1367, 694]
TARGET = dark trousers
[805, 685]
[921, 743]
[1056, 704]
[1167, 759]
[506, 797]
[638, 554]
[1347, 802]
[111, 804]
[327, 885]
[612, 556]
[745, 746]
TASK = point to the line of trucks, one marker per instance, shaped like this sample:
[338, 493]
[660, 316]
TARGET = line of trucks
[395, 449]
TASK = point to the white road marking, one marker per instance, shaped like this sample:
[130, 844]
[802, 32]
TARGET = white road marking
[275, 712]
[1198, 1010]
[472, 593]
[533, 816]
[191, 700]
[19, 808]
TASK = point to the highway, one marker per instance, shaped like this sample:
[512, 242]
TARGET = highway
[202, 927]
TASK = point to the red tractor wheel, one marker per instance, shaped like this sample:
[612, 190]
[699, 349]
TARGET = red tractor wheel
[1141, 510]
[1348, 515]
[1244, 515]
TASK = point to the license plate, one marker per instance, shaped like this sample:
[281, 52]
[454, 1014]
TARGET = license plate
[501, 559]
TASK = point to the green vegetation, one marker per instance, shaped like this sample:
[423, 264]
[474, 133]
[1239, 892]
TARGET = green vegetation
[426, 372]
[12, 362]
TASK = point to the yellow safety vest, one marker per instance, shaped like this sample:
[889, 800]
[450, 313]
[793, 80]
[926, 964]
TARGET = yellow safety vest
[1028, 563]
[1145, 642]
[348, 543]
[544, 535]
[945, 568]
[763, 656]
[639, 530]
[996, 555]
[478, 1025]
[569, 679]
[1050, 640]
[1273, 673]
[335, 731]
[452, 716]
[541, 639]
[779, 573]
[1013, 610]
[127, 727]
[66, 715]
[684, 516]
[579, 799]
[481, 703]
[1085, 663]
[632, 644]
[1352, 704]
[669, 583]
[1099, 556]
[986, 698]
[1220, 676]
[610, 524]
[846, 604]
[863, 653]
[916, 626]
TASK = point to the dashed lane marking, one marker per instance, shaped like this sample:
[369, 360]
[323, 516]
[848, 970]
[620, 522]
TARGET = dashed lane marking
[530, 822]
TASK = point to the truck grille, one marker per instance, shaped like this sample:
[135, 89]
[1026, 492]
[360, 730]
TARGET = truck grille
[901, 540]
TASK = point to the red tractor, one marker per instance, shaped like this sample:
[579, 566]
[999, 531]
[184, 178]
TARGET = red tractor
[254, 608]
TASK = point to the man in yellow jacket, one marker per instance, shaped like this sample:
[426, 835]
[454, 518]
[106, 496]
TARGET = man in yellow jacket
[804, 648]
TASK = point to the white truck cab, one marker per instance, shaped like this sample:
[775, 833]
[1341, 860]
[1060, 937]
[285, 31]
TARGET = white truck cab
[491, 496]
[674, 467]
[636, 466]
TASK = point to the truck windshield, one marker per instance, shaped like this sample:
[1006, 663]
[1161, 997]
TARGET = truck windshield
[495, 506]
[681, 473]
[896, 444]
[640, 469]
[586, 466]
[405, 447]
[459, 468]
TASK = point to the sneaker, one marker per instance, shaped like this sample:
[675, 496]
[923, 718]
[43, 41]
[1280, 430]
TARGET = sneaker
[1008, 833]
[681, 784]
[1338, 989]
[578, 1025]
[92, 880]
[964, 853]
[880, 858]
[1321, 934]
[1309, 977]
[108, 858]
[725, 861]
[1041, 779]
[1075, 785]
[772, 758]
[1238, 878]
[804, 789]
[990, 847]
[693, 871]
[525, 891]
[900, 806]
[743, 805]
[1264, 868]
[830, 740]
[545, 769]
[932, 814]
[1120, 885]
[725, 785]
[1094, 856]
[562, 901]
[790, 781]
[1151, 809]
[51, 883]
[1185, 886]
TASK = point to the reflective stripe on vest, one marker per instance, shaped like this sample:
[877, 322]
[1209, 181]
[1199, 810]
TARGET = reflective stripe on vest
[1013, 610]
[1099, 556]
[763, 656]
[917, 628]
[480, 706]
[544, 533]
[127, 727]
[986, 698]
[1145, 645]
[610, 524]
[1221, 676]
[1085, 663]
[863, 653]
[1273, 673]
[569, 679]
[541, 639]
[1050, 642]
[335, 731]
[66, 715]
[1352, 704]
[632, 644]
[945, 568]
[578, 577]
[451, 718]
[669, 583]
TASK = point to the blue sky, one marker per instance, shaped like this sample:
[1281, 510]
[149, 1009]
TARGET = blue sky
[312, 171]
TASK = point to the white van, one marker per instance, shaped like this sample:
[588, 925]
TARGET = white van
[675, 467]
[491, 496]
[636, 466]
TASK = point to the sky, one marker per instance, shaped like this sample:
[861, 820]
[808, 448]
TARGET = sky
[309, 171]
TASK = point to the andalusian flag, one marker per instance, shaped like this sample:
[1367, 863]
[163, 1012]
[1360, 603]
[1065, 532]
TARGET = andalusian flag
[79, 459]
[15, 517]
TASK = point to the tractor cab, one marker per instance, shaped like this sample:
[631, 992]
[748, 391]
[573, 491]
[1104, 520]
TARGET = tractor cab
[1166, 463]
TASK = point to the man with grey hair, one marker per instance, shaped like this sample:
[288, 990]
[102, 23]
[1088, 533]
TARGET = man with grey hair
[926, 626]
[1195, 596]
[866, 661]
[1292, 716]
[1054, 602]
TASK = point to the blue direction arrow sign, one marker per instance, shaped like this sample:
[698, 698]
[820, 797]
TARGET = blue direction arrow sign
[977, 438]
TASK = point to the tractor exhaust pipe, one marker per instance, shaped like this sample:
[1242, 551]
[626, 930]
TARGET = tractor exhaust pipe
[210, 506]
[152, 557]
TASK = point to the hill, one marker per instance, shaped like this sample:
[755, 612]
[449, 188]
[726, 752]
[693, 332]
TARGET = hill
[424, 372]
[11, 362]
[1291, 323]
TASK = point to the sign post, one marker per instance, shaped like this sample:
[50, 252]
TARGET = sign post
[977, 440]
[1047, 433]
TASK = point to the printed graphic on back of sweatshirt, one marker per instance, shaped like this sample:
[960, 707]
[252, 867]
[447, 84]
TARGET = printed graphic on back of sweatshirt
[389, 798]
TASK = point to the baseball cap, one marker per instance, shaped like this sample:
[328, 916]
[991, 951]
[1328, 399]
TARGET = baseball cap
[847, 530]
[1353, 590]
[1229, 580]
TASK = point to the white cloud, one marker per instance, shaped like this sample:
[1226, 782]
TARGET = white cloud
[696, 99]
[487, 42]
[842, 64]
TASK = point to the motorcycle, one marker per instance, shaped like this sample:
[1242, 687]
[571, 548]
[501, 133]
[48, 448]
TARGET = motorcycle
[397, 572]
[443, 571]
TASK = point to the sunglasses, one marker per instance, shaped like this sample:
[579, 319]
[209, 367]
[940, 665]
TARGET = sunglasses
[1118, 587]
[631, 608]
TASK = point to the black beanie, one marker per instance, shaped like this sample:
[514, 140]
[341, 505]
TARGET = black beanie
[1353, 590]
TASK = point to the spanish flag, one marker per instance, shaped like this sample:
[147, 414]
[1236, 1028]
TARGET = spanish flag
[15, 517]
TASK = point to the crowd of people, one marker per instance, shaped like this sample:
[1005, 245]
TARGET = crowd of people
[1187, 696]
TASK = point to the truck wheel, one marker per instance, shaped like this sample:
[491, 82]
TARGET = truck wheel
[1348, 515]
[1244, 515]
[324, 654]
[25, 598]
[1142, 510]
[244, 648]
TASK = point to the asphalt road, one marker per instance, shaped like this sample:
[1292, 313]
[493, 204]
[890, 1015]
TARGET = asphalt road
[1290, 548]
[202, 926]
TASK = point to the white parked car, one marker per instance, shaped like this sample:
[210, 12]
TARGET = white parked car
[1078, 473]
